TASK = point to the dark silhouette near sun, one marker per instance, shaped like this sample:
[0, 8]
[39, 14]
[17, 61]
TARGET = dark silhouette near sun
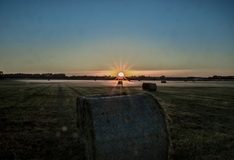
[120, 77]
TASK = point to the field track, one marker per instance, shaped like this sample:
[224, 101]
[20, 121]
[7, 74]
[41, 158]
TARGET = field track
[39, 119]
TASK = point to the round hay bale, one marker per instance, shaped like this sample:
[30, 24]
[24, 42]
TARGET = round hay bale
[163, 81]
[149, 86]
[123, 127]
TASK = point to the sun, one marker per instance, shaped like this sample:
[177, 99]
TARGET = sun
[121, 74]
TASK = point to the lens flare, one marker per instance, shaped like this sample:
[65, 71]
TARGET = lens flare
[122, 65]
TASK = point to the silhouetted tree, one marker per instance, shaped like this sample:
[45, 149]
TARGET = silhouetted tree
[162, 77]
[1, 75]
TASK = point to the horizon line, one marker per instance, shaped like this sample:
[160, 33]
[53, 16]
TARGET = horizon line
[60, 73]
[129, 73]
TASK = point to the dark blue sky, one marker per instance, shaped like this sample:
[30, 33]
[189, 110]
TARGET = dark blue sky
[91, 35]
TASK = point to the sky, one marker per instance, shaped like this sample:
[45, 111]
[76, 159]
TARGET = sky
[100, 37]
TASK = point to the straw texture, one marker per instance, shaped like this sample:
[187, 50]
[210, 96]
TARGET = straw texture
[122, 127]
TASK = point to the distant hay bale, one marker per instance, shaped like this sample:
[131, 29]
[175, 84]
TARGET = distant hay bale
[163, 81]
[149, 86]
[123, 127]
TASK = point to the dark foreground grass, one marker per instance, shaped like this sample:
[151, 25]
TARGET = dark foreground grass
[38, 120]
[201, 121]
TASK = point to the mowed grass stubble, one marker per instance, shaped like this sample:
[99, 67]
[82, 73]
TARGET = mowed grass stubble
[38, 120]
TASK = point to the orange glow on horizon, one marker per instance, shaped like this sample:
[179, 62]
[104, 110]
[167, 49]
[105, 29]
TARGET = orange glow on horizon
[118, 69]
[156, 73]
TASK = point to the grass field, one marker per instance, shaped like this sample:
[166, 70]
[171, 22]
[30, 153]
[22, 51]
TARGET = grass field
[38, 120]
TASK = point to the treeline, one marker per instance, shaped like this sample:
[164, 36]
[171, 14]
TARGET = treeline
[50, 76]
[1, 75]
[35, 76]
[163, 78]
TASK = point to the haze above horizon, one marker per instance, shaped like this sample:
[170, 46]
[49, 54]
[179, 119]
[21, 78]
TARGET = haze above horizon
[139, 37]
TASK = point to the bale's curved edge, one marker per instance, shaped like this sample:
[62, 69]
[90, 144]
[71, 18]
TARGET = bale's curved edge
[167, 120]
[98, 131]
[85, 125]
